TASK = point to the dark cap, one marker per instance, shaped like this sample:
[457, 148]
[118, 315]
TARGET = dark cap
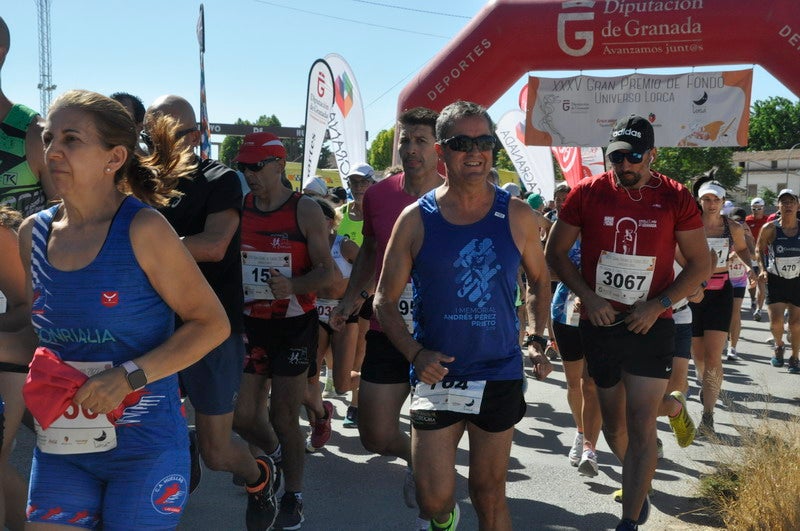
[633, 133]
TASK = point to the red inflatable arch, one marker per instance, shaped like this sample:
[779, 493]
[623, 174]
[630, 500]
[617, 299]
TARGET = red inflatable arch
[509, 38]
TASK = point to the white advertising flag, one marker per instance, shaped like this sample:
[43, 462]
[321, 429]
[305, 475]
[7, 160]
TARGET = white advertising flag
[534, 164]
[346, 128]
[318, 109]
[699, 109]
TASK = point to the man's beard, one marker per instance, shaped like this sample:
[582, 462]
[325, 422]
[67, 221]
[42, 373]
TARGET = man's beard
[628, 179]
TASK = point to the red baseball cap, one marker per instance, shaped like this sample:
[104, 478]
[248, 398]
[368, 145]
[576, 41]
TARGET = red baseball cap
[260, 146]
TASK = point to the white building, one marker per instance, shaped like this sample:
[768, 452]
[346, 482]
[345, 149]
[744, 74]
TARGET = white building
[773, 170]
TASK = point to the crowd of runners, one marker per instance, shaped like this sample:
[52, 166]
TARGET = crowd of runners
[138, 275]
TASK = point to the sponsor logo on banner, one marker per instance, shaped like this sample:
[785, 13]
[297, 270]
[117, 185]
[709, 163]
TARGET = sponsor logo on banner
[344, 94]
[697, 109]
[534, 165]
[346, 128]
[318, 108]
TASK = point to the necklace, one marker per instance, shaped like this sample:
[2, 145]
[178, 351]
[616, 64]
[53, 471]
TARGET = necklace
[653, 186]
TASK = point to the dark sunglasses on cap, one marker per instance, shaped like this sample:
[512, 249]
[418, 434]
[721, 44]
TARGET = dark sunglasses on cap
[617, 157]
[148, 141]
[255, 166]
[465, 143]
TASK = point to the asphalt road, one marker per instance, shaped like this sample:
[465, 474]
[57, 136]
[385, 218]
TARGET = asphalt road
[347, 488]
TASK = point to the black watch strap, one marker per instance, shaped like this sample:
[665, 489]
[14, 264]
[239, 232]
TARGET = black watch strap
[364, 295]
[530, 339]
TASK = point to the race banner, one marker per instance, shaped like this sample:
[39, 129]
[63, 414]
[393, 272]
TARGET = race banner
[534, 164]
[569, 160]
[318, 109]
[205, 141]
[698, 109]
[346, 128]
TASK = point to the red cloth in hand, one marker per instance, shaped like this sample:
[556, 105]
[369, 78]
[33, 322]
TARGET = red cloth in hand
[51, 385]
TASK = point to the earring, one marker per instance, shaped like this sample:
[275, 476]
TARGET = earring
[108, 170]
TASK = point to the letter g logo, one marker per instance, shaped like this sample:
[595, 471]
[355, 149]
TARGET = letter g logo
[586, 36]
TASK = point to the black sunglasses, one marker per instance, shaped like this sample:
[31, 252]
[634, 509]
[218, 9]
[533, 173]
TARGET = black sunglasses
[255, 166]
[617, 157]
[465, 143]
[148, 141]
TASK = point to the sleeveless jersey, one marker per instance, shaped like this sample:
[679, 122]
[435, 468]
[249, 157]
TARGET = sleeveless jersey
[563, 302]
[784, 254]
[349, 227]
[464, 279]
[108, 312]
[278, 233]
[19, 187]
[341, 262]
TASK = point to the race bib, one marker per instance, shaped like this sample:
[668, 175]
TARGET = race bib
[406, 307]
[788, 267]
[721, 247]
[451, 395]
[624, 278]
[256, 267]
[325, 307]
[737, 268]
[79, 431]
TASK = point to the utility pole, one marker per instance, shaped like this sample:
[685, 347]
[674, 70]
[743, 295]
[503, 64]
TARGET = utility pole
[46, 86]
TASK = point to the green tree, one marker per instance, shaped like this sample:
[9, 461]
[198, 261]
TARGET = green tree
[774, 124]
[502, 160]
[684, 164]
[381, 150]
[231, 144]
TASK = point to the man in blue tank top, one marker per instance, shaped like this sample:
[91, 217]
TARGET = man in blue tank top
[463, 244]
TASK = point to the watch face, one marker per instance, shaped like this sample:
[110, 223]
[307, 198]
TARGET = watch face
[137, 379]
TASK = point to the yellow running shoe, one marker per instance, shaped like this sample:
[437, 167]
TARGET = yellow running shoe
[681, 424]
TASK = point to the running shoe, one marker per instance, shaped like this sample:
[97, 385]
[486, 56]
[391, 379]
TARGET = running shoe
[731, 355]
[794, 366]
[291, 513]
[321, 429]
[576, 451]
[451, 524]
[757, 315]
[420, 524]
[552, 350]
[329, 389]
[626, 525]
[777, 358]
[410, 489]
[309, 447]
[262, 504]
[351, 417]
[681, 424]
[196, 469]
[617, 494]
[588, 464]
[659, 448]
[644, 514]
[706, 428]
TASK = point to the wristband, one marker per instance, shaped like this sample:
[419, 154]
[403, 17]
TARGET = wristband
[535, 338]
[417, 354]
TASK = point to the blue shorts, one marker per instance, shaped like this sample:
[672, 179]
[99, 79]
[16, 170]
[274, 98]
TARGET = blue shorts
[118, 489]
[683, 341]
[212, 383]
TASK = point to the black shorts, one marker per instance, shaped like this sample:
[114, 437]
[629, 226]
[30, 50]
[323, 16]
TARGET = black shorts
[568, 339]
[783, 290]
[502, 407]
[609, 350]
[283, 347]
[738, 292]
[212, 383]
[683, 341]
[383, 364]
[714, 311]
[366, 308]
[327, 327]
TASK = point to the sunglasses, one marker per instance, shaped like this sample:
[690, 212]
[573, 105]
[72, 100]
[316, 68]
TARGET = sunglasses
[617, 157]
[148, 141]
[465, 143]
[255, 166]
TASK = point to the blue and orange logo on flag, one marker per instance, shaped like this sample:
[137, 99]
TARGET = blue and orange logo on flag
[344, 94]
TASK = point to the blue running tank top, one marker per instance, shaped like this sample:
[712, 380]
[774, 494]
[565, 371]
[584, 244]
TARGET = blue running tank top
[783, 254]
[464, 279]
[109, 312]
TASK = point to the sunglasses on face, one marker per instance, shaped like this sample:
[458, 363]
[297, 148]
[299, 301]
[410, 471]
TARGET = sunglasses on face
[254, 166]
[617, 157]
[148, 141]
[465, 143]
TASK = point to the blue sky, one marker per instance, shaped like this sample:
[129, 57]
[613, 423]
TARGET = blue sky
[258, 52]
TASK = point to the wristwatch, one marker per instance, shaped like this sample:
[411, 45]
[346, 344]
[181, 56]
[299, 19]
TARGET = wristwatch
[364, 295]
[136, 377]
[534, 338]
[665, 301]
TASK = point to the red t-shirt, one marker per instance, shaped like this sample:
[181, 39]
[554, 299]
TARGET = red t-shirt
[755, 224]
[618, 223]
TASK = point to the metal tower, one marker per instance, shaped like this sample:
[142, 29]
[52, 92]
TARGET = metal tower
[46, 86]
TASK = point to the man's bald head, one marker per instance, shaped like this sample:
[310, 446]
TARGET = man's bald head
[5, 41]
[175, 107]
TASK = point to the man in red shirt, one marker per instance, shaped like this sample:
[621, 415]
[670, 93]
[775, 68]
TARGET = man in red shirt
[755, 221]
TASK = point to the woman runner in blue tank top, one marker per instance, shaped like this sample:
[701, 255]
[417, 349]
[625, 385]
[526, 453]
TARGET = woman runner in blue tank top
[106, 275]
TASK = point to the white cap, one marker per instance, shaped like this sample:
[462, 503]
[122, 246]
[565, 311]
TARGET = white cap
[787, 191]
[513, 189]
[316, 186]
[711, 188]
[757, 201]
[364, 170]
[727, 208]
